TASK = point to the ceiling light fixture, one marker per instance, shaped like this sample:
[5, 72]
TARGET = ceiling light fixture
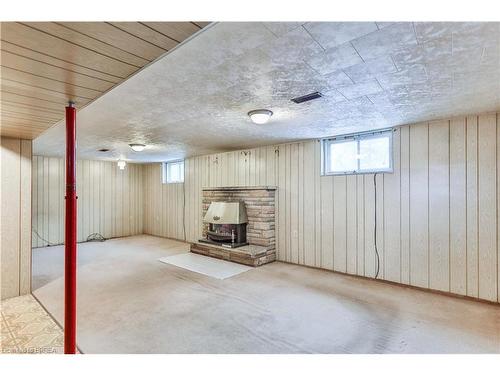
[137, 146]
[121, 164]
[260, 116]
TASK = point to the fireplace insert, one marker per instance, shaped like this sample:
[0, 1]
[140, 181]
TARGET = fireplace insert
[227, 224]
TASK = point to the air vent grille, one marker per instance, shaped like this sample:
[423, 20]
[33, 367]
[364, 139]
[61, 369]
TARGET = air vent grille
[308, 97]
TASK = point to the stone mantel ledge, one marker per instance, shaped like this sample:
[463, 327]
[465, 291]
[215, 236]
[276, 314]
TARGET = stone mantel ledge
[237, 188]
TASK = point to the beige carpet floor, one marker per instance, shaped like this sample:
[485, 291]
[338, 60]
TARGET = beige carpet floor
[129, 302]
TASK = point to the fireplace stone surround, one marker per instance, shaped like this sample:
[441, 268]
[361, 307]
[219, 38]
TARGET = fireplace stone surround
[260, 208]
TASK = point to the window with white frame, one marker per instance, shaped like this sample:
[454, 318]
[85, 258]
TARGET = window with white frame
[357, 153]
[173, 172]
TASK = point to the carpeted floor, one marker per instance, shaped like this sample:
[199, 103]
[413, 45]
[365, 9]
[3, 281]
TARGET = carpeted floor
[129, 302]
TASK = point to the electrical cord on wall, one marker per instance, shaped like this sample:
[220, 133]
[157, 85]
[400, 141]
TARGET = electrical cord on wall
[90, 238]
[375, 227]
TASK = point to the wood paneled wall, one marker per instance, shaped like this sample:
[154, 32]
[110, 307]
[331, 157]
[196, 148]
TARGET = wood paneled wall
[163, 205]
[110, 201]
[437, 214]
[15, 252]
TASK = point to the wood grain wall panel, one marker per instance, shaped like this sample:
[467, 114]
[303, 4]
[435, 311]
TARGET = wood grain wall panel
[317, 203]
[498, 206]
[472, 206]
[287, 194]
[392, 215]
[487, 203]
[419, 205]
[15, 250]
[431, 228]
[300, 185]
[339, 249]
[351, 224]
[106, 198]
[293, 200]
[360, 218]
[380, 223]
[34, 202]
[439, 206]
[164, 205]
[25, 218]
[326, 199]
[458, 207]
[308, 209]
[11, 205]
[369, 220]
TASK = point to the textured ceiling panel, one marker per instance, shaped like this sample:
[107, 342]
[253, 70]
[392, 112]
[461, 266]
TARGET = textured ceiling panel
[373, 75]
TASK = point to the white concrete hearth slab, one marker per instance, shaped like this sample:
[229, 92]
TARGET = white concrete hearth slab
[216, 268]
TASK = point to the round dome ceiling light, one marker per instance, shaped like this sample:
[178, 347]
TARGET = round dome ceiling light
[138, 147]
[260, 116]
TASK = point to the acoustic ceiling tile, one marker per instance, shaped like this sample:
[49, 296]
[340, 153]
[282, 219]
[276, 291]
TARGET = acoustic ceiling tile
[386, 41]
[360, 89]
[334, 59]
[333, 34]
[370, 69]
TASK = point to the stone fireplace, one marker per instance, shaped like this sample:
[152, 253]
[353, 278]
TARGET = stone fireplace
[258, 204]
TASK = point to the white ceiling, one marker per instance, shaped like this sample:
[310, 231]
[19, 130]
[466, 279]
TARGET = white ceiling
[195, 99]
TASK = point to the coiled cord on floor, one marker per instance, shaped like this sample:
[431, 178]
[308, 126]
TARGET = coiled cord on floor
[375, 227]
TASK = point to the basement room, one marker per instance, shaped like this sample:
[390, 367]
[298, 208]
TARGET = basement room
[250, 186]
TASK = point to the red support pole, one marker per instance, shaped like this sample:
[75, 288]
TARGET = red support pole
[70, 234]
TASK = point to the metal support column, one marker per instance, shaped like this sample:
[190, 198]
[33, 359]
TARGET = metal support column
[70, 234]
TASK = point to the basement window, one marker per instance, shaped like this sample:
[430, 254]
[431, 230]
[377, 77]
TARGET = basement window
[357, 153]
[172, 172]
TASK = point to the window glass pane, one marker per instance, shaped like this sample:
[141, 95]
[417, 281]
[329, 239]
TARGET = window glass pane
[343, 156]
[174, 172]
[374, 153]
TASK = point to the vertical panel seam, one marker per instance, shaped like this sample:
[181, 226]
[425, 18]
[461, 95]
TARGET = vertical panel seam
[428, 215]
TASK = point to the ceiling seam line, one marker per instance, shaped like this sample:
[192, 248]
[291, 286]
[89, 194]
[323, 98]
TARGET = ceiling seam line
[66, 61]
[10, 102]
[58, 67]
[51, 79]
[43, 88]
[79, 45]
[138, 37]
[103, 42]
[159, 32]
[31, 97]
